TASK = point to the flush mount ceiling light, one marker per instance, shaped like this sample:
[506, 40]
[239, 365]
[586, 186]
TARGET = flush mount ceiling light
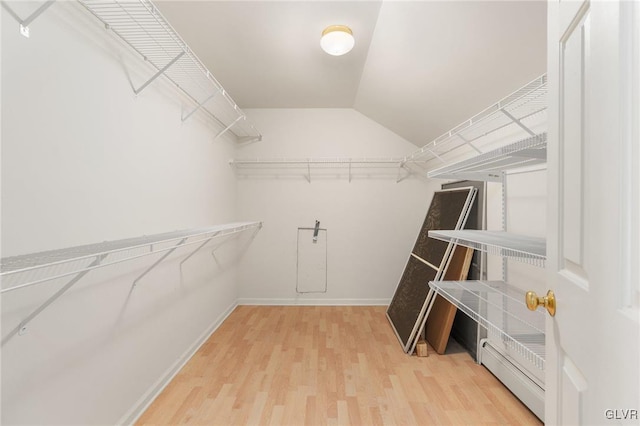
[337, 40]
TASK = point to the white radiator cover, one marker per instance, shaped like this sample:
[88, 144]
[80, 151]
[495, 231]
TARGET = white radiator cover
[513, 376]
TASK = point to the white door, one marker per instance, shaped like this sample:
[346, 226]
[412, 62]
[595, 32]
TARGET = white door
[593, 359]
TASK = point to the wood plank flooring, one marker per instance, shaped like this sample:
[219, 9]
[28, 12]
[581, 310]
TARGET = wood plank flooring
[327, 365]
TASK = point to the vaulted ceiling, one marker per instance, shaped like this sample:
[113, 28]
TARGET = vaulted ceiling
[418, 67]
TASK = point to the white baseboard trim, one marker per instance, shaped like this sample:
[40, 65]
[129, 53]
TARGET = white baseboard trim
[313, 302]
[145, 401]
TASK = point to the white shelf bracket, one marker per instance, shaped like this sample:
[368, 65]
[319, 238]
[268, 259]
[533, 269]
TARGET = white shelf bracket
[469, 143]
[223, 131]
[24, 23]
[246, 140]
[159, 73]
[308, 176]
[199, 247]
[435, 155]
[349, 171]
[400, 177]
[200, 105]
[518, 122]
[164, 256]
[21, 329]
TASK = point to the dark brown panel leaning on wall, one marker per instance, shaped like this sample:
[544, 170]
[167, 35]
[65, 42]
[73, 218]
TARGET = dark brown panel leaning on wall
[444, 213]
[448, 210]
[410, 295]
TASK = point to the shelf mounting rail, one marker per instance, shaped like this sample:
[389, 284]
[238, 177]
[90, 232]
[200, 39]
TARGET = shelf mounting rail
[23, 271]
[141, 25]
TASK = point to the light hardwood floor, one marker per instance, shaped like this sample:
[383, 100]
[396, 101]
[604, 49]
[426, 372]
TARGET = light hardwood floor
[313, 365]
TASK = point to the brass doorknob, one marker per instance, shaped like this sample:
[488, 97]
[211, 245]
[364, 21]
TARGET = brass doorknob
[548, 301]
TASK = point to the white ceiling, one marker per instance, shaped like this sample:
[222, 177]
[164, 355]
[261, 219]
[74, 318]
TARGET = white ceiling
[418, 68]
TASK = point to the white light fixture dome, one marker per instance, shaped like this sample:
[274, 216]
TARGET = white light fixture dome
[337, 40]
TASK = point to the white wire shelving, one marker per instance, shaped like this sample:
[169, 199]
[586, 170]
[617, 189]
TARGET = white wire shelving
[141, 25]
[520, 117]
[321, 166]
[69, 261]
[490, 166]
[531, 250]
[67, 266]
[500, 308]
[521, 114]
[510, 136]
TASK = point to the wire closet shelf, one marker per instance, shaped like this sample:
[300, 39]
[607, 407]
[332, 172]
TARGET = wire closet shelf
[22, 271]
[499, 308]
[531, 250]
[490, 166]
[141, 25]
[328, 161]
[321, 166]
[520, 115]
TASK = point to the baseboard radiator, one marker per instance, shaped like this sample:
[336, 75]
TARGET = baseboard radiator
[513, 376]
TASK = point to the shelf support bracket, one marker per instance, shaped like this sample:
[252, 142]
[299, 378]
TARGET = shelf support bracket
[435, 155]
[246, 140]
[308, 176]
[164, 256]
[200, 105]
[159, 73]
[469, 143]
[518, 122]
[349, 171]
[22, 327]
[24, 23]
[223, 131]
[199, 247]
[400, 177]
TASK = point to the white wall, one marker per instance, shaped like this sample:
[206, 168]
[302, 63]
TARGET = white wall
[84, 161]
[371, 222]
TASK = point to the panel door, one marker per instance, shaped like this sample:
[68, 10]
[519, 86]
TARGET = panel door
[592, 370]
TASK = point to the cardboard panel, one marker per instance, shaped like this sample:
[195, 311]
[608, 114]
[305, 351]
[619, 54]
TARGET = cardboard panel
[442, 313]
